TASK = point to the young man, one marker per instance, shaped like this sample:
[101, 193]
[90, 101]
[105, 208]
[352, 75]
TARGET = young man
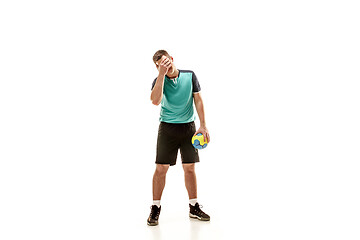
[176, 90]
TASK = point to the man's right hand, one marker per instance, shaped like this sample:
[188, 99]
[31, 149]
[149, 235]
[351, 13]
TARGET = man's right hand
[164, 66]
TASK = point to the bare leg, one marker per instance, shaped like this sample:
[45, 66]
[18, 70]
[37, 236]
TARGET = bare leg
[190, 179]
[159, 180]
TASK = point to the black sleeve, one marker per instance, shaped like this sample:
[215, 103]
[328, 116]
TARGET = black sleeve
[153, 84]
[196, 84]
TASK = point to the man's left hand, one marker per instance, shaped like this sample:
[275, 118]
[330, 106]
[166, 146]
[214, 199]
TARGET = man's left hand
[203, 130]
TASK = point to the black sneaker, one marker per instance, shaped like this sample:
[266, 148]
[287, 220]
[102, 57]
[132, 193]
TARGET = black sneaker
[153, 219]
[196, 212]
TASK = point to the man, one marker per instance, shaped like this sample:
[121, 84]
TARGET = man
[177, 91]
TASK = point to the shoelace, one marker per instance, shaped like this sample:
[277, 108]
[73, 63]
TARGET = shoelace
[197, 209]
[154, 213]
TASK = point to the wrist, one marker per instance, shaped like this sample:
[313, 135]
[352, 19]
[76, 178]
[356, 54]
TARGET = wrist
[162, 75]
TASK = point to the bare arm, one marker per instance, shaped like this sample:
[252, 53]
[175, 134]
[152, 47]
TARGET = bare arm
[199, 105]
[157, 91]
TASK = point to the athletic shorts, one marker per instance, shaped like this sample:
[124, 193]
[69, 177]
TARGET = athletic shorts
[171, 138]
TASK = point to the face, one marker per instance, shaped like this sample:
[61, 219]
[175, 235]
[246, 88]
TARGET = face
[172, 67]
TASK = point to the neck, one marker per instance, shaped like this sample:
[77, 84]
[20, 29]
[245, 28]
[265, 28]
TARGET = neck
[175, 74]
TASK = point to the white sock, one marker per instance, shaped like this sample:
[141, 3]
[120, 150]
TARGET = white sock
[156, 202]
[193, 201]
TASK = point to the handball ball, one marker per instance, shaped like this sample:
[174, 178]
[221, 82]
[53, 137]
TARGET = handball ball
[198, 141]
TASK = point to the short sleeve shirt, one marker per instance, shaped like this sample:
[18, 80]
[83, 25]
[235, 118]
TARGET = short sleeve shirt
[177, 102]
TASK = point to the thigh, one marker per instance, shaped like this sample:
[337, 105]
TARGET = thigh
[167, 145]
[189, 154]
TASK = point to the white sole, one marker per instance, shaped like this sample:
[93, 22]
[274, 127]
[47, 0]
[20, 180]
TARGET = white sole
[201, 219]
[152, 224]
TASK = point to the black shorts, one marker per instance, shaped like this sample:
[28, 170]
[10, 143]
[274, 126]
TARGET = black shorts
[171, 137]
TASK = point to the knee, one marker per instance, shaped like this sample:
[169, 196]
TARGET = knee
[189, 168]
[161, 170]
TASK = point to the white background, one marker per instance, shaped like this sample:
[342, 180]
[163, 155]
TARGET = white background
[280, 83]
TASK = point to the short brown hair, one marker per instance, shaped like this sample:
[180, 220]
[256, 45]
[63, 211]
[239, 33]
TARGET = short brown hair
[158, 55]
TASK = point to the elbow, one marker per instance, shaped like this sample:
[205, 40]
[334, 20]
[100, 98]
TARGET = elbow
[198, 103]
[155, 98]
[156, 103]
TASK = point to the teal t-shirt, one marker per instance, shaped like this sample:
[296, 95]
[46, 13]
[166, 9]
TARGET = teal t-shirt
[177, 102]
